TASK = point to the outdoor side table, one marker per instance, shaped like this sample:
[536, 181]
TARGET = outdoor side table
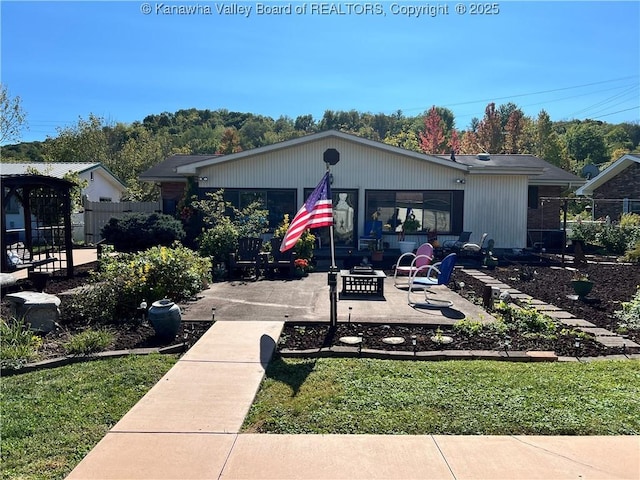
[363, 283]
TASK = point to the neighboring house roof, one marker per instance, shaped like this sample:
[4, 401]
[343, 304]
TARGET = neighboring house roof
[56, 170]
[608, 173]
[165, 171]
[549, 175]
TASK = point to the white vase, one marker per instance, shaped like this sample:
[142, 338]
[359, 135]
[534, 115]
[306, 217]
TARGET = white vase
[406, 246]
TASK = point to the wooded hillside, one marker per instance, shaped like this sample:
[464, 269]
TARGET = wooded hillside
[129, 149]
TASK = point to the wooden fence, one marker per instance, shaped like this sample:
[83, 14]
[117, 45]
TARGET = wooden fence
[97, 215]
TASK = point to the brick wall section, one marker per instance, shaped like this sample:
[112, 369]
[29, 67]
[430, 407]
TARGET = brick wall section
[624, 185]
[173, 190]
[547, 216]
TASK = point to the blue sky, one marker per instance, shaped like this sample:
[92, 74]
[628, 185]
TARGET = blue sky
[66, 60]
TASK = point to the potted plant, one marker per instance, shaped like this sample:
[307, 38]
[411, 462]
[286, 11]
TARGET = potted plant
[581, 284]
[410, 225]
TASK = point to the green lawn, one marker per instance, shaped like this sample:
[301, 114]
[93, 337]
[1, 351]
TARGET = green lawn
[361, 396]
[52, 418]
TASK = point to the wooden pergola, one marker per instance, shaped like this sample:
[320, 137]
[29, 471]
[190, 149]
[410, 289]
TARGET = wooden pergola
[40, 238]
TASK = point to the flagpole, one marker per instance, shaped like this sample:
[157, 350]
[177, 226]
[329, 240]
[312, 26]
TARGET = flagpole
[331, 157]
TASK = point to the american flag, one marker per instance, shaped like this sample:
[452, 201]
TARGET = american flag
[316, 212]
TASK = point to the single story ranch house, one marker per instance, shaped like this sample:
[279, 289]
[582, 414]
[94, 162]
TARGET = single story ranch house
[506, 196]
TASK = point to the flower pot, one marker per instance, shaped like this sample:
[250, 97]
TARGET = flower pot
[406, 246]
[165, 318]
[582, 287]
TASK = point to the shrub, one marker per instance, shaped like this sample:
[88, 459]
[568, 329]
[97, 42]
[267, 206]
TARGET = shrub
[89, 341]
[629, 316]
[633, 255]
[618, 239]
[306, 243]
[226, 223]
[139, 231]
[630, 220]
[219, 241]
[525, 320]
[18, 344]
[176, 272]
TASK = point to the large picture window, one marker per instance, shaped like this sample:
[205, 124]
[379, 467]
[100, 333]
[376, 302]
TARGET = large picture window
[435, 210]
[278, 202]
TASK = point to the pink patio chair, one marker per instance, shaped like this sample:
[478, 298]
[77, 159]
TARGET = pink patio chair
[421, 258]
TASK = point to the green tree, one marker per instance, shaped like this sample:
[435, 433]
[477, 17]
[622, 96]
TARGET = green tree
[12, 116]
[406, 139]
[585, 144]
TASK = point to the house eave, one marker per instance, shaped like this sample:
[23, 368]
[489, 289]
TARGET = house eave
[607, 174]
[192, 168]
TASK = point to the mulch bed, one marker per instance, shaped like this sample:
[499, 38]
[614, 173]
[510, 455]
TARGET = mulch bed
[128, 335]
[614, 284]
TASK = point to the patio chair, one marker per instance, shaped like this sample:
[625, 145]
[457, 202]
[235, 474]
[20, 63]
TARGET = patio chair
[284, 262]
[436, 274]
[422, 257]
[455, 245]
[247, 256]
[474, 248]
[373, 233]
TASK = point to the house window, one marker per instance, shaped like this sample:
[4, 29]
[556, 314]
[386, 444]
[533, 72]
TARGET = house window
[13, 205]
[105, 199]
[278, 202]
[533, 197]
[436, 210]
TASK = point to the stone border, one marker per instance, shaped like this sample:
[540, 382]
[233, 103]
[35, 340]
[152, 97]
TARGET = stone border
[601, 335]
[438, 355]
[69, 359]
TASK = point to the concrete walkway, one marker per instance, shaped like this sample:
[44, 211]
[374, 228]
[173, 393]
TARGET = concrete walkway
[187, 425]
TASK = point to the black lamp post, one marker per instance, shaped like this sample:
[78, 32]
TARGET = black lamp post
[331, 157]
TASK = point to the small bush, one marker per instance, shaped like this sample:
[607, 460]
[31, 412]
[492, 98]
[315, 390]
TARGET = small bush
[526, 320]
[306, 243]
[176, 272]
[89, 341]
[18, 344]
[633, 255]
[219, 241]
[629, 316]
[616, 239]
[139, 231]
[630, 220]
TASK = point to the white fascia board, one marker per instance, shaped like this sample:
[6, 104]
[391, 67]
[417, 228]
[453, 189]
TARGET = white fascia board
[607, 174]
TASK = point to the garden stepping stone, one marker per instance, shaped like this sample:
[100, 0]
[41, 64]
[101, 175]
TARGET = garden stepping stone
[393, 340]
[351, 340]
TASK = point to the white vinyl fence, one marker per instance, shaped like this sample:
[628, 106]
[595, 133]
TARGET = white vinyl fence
[98, 214]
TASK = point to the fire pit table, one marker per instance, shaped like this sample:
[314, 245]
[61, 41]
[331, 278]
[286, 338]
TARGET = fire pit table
[364, 282]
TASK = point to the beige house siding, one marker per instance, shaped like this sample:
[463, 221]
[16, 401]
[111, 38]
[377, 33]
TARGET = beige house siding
[496, 204]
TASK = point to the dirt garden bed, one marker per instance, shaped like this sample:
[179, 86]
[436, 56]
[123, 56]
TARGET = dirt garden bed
[614, 284]
[127, 336]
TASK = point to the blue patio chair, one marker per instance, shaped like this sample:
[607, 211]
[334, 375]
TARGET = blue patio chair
[372, 233]
[436, 274]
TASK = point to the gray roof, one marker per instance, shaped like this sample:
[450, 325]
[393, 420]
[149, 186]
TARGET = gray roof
[166, 170]
[54, 169]
[551, 175]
